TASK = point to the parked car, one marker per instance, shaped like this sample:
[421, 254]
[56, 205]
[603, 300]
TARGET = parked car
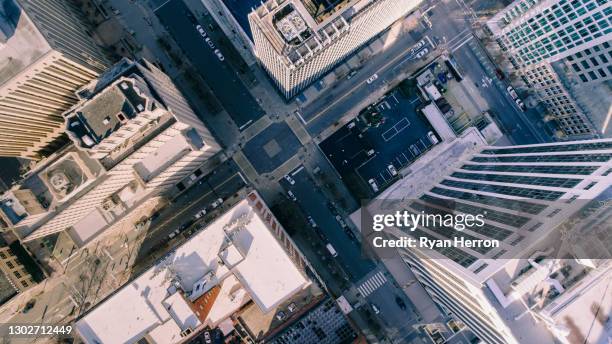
[432, 137]
[207, 338]
[289, 179]
[280, 316]
[373, 184]
[392, 170]
[512, 92]
[375, 308]
[415, 150]
[422, 53]
[200, 213]
[351, 74]
[372, 78]
[312, 222]
[174, 233]
[291, 196]
[370, 152]
[520, 104]
[341, 221]
[219, 55]
[331, 250]
[217, 203]
[28, 306]
[292, 307]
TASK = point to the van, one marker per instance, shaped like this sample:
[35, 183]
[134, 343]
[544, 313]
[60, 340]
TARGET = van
[331, 250]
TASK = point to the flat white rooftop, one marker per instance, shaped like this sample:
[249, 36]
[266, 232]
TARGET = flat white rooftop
[266, 275]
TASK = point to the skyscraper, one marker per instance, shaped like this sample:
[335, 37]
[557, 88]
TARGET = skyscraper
[46, 53]
[297, 41]
[135, 137]
[537, 34]
[535, 286]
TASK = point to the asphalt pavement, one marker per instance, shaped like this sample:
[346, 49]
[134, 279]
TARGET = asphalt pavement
[202, 51]
[314, 204]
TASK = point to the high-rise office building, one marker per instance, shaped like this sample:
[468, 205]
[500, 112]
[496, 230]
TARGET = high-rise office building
[534, 286]
[46, 53]
[297, 41]
[537, 34]
[135, 137]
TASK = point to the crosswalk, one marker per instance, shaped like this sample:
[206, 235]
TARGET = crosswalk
[371, 284]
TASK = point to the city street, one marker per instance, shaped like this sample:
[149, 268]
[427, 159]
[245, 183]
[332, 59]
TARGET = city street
[180, 22]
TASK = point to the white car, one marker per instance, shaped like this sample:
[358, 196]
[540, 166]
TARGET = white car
[373, 184]
[432, 137]
[512, 92]
[341, 221]
[173, 234]
[291, 196]
[219, 55]
[201, 30]
[520, 104]
[415, 150]
[422, 53]
[289, 179]
[200, 213]
[392, 170]
[418, 45]
[372, 78]
[375, 309]
[217, 203]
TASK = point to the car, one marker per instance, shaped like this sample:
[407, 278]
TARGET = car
[512, 92]
[432, 137]
[370, 152]
[28, 306]
[373, 184]
[280, 316]
[520, 104]
[115, 11]
[400, 303]
[372, 78]
[312, 222]
[292, 307]
[193, 177]
[291, 196]
[392, 170]
[375, 308]
[201, 30]
[219, 55]
[217, 203]
[200, 213]
[289, 179]
[351, 74]
[417, 46]
[331, 250]
[174, 233]
[207, 338]
[422, 53]
[415, 150]
[341, 221]
[351, 125]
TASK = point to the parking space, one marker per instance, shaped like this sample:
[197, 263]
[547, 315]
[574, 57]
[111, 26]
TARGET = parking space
[272, 147]
[207, 55]
[384, 138]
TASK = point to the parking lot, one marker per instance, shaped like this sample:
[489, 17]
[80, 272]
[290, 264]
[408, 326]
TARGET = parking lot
[395, 137]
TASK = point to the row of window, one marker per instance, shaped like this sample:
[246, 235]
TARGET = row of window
[514, 179]
[582, 170]
[506, 190]
[552, 148]
[510, 204]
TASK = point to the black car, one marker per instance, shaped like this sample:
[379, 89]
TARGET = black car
[28, 306]
[400, 303]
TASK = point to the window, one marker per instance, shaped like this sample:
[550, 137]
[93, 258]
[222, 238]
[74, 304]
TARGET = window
[10, 265]
[2, 255]
[17, 274]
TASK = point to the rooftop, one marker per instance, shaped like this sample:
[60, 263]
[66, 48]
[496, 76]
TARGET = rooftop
[21, 44]
[237, 252]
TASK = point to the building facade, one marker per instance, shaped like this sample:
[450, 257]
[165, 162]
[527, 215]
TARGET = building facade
[134, 138]
[535, 286]
[46, 53]
[298, 41]
[536, 34]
